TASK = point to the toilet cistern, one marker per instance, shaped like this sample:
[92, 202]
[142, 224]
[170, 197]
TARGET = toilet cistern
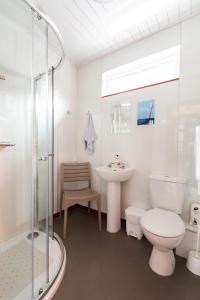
[114, 177]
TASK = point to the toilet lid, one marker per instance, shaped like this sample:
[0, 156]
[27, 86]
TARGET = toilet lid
[163, 223]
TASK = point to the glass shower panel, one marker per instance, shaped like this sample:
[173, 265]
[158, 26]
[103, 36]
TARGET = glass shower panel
[15, 151]
[54, 56]
[42, 153]
[41, 212]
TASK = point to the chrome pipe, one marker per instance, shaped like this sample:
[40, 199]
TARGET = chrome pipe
[53, 151]
[51, 24]
[46, 74]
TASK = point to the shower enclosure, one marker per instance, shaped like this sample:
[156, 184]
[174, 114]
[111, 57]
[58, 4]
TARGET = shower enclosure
[32, 256]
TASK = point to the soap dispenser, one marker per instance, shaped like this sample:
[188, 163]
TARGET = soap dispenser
[116, 161]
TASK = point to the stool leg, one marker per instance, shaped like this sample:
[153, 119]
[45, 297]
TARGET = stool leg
[89, 204]
[61, 203]
[65, 223]
[99, 212]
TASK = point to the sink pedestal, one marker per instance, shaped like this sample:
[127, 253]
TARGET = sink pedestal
[113, 207]
[114, 177]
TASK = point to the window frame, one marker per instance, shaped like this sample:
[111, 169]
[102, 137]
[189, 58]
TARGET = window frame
[172, 53]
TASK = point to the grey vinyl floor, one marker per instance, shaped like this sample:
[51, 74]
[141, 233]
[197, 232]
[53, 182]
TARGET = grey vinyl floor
[104, 266]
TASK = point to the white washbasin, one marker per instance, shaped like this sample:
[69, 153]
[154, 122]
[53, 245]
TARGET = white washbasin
[115, 175]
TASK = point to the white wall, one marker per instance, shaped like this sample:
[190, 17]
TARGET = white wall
[15, 200]
[150, 149]
[65, 124]
[189, 106]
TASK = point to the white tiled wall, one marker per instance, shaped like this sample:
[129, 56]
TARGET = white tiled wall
[161, 148]
[146, 148]
[15, 203]
[189, 107]
[65, 120]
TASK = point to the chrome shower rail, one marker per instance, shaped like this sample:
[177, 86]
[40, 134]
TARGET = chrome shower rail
[50, 23]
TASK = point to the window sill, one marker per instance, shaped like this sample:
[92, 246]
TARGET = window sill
[139, 88]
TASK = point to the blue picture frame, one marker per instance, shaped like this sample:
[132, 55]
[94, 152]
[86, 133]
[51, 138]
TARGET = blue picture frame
[146, 112]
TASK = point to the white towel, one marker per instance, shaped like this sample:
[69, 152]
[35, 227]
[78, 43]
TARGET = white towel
[90, 135]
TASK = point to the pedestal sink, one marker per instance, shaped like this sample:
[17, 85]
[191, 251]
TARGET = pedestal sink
[114, 177]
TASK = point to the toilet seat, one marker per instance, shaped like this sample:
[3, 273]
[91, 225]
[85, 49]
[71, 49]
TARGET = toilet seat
[163, 223]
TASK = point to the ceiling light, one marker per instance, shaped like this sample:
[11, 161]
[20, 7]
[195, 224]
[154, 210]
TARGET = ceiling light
[125, 104]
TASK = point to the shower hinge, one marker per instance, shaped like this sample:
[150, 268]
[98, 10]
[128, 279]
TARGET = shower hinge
[40, 291]
[42, 158]
[39, 17]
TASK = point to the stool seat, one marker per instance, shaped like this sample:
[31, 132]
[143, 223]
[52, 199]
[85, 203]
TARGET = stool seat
[83, 194]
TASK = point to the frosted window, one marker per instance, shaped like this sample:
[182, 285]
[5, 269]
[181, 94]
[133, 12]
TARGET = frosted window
[156, 68]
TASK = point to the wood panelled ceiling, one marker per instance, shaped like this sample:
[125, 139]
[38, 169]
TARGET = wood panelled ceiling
[90, 29]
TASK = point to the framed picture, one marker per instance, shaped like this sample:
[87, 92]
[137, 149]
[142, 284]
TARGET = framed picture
[146, 112]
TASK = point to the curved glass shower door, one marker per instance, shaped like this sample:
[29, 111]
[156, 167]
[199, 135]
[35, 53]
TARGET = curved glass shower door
[30, 256]
[41, 150]
[43, 86]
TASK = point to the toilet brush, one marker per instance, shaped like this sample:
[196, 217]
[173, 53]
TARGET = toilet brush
[193, 261]
[197, 242]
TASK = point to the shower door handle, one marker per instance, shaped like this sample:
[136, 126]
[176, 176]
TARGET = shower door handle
[42, 158]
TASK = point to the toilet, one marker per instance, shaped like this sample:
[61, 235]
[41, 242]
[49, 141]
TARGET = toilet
[162, 225]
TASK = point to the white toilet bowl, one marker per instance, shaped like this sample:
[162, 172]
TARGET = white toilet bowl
[164, 230]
